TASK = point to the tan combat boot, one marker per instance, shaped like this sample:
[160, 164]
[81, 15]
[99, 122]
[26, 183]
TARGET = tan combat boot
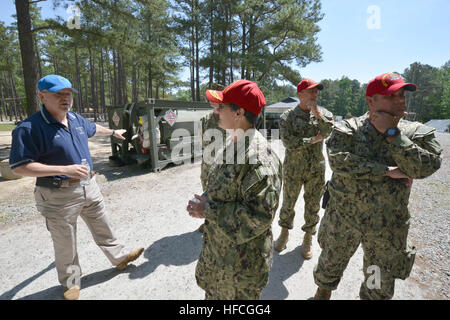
[72, 293]
[280, 244]
[307, 246]
[322, 294]
[133, 255]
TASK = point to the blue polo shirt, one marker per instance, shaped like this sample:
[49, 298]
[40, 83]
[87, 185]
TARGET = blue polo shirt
[40, 138]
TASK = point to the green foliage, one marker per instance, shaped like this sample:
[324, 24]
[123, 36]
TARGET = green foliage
[431, 101]
[343, 97]
[130, 50]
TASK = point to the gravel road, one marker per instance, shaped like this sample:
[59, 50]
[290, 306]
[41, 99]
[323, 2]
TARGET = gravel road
[148, 210]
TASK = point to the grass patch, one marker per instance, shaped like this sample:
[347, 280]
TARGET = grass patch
[7, 126]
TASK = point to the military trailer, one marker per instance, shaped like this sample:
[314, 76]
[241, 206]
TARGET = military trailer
[273, 112]
[159, 132]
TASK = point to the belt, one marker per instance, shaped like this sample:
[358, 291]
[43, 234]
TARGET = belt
[92, 173]
[56, 182]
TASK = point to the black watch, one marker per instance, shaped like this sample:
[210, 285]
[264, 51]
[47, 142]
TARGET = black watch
[391, 132]
[112, 134]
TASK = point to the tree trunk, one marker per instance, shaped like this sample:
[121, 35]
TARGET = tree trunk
[18, 105]
[244, 39]
[110, 84]
[227, 27]
[150, 82]
[93, 97]
[115, 86]
[133, 80]
[55, 65]
[30, 75]
[250, 48]
[79, 98]
[224, 50]
[138, 82]
[86, 95]
[38, 57]
[102, 83]
[191, 65]
[197, 67]
[13, 96]
[122, 83]
[8, 112]
[211, 43]
[3, 102]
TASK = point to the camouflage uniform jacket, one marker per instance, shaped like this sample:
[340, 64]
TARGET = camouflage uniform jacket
[298, 128]
[208, 122]
[242, 200]
[359, 157]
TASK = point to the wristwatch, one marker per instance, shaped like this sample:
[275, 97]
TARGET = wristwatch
[112, 134]
[391, 132]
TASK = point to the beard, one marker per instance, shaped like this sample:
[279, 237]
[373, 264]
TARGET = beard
[216, 116]
[65, 107]
[398, 111]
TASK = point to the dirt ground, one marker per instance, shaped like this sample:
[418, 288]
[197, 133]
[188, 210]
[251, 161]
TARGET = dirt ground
[147, 210]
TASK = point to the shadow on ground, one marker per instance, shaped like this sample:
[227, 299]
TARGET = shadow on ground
[176, 250]
[8, 295]
[102, 166]
[284, 266]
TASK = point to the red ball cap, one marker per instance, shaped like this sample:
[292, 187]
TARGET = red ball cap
[307, 84]
[387, 84]
[243, 93]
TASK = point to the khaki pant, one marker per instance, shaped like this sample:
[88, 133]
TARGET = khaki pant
[61, 208]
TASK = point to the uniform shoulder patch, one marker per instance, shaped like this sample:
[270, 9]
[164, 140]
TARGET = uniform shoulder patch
[345, 126]
[326, 113]
[423, 130]
[254, 175]
[285, 115]
[414, 129]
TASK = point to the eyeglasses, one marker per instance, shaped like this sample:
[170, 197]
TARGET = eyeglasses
[63, 94]
[60, 94]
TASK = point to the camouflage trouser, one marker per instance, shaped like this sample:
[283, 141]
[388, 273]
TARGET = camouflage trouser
[221, 285]
[387, 255]
[228, 291]
[293, 180]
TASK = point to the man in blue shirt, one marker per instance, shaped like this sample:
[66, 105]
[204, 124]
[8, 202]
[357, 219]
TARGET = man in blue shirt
[50, 145]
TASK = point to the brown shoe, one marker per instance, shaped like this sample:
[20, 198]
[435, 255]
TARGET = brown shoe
[307, 246]
[280, 244]
[72, 293]
[133, 255]
[322, 294]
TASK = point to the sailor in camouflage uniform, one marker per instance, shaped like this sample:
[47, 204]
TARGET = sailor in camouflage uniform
[210, 133]
[302, 131]
[374, 159]
[244, 186]
[210, 122]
